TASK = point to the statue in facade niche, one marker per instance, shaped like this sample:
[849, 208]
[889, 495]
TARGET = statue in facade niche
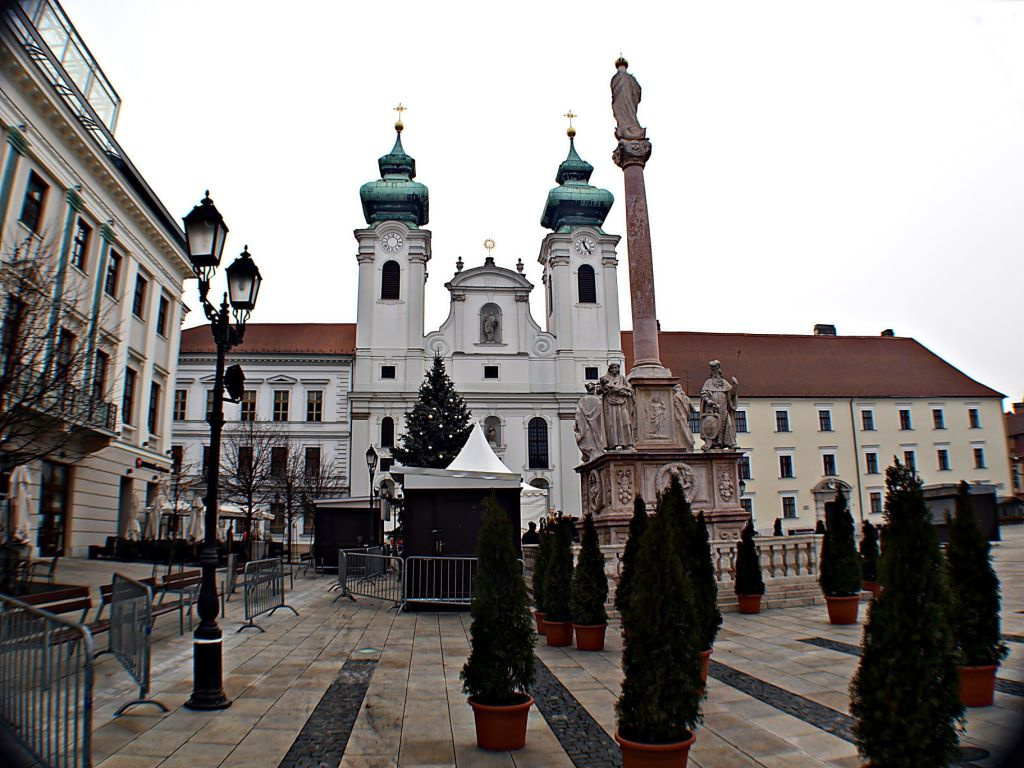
[625, 99]
[589, 427]
[490, 327]
[618, 399]
[718, 410]
[682, 407]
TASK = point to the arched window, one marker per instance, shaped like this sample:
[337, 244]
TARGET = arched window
[537, 443]
[586, 284]
[390, 280]
[492, 430]
[540, 482]
[387, 432]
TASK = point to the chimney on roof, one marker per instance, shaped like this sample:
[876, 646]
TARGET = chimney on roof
[889, 333]
[824, 329]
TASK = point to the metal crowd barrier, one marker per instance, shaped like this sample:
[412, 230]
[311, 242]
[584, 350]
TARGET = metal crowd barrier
[369, 574]
[131, 623]
[263, 590]
[439, 580]
[46, 682]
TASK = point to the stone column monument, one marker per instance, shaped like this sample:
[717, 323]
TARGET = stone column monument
[645, 414]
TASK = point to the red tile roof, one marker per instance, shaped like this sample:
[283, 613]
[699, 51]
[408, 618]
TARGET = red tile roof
[773, 365]
[1015, 423]
[280, 338]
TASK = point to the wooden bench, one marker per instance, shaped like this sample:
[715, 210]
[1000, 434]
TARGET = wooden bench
[185, 584]
[61, 601]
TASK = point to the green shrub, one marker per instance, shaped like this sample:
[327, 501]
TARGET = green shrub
[589, 582]
[869, 552]
[637, 526]
[905, 694]
[840, 566]
[558, 573]
[540, 567]
[500, 666]
[695, 554]
[749, 580]
[661, 687]
[974, 587]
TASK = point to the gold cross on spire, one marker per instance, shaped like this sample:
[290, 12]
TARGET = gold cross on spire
[398, 123]
[572, 131]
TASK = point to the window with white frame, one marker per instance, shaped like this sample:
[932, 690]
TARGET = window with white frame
[785, 465]
[281, 397]
[789, 507]
[910, 460]
[867, 420]
[942, 455]
[828, 464]
[180, 404]
[979, 457]
[905, 421]
[871, 463]
[938, 418]
[781, 420]
[876, 502]
[314, 405]
[824, 420]
[973, 418]
[741, 420]
[247, 407]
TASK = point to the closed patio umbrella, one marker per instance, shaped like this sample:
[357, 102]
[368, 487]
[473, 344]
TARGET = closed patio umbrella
[195, 520]
[21, 502]
[132, 526]
[152, 523]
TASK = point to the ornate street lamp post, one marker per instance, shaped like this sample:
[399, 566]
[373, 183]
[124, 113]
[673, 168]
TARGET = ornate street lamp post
[371, 467]
[205, 234]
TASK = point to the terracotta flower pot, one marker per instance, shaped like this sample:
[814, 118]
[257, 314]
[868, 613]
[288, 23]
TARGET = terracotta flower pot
[842, 610]
[539, 617]
[636, 754]
[749, 603]
[977, 685]
[558, 633]
[873, 587]
[590, 637]
[501, 729]
[705, 657]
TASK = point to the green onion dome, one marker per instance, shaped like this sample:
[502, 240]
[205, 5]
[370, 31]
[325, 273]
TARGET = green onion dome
[574, 202]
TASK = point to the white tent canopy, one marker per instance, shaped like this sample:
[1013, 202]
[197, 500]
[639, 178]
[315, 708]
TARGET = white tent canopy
[533, 504]
[478, 457]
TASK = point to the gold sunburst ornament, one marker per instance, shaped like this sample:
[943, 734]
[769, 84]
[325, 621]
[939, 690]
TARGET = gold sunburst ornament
[489, 245]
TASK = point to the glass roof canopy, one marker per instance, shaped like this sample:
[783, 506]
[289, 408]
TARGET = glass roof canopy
[54, 43]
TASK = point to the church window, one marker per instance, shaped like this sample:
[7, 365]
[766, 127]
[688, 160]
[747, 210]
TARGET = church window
[490, 371]
[590, 373]
[387, 432]
[387, 371]
[390, 281]
[537, 439]
[586, 284]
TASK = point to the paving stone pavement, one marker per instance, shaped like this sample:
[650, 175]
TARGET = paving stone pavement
[413, 711]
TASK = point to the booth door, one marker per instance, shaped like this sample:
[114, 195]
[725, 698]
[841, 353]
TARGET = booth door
[54, 494]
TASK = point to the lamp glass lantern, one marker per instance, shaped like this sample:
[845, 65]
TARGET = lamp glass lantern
[243, 282]
[371, 460]
[205, 235]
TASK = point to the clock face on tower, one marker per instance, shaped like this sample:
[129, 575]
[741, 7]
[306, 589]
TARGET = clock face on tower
[391, 242]
[585, 246]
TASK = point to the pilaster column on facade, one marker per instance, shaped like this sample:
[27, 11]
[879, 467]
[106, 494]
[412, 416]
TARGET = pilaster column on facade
[106, 240]
[75, 206]
[17, 148]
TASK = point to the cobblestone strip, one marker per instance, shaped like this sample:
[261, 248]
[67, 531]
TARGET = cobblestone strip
[1014, 638]
[321, 742]
[582, 738]
[818, 715]
[1011, 687]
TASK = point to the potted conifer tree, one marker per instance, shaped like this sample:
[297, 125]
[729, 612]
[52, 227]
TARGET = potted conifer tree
[659, 706]
[696, 556]
[500, 668]
[637, 526]
[908, 666]
[540, 569]
[974, 587]
[839, 574]
[869, 558]
[749, 581]
[589, 592]
[557, 586]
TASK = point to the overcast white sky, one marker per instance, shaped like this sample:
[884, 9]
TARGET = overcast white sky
[860, 164]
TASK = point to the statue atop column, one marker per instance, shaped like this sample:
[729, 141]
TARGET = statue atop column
[589, 427]
[682, 407]
[618, 399]
[718, 410]
[625, 99]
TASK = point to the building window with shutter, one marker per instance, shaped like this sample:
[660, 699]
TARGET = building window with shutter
[537, 438]
[586, 284]
[390, 281]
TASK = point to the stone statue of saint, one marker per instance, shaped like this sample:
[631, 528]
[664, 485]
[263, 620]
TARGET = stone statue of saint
[718, 410]
[589, 427]
[625, 98]
[682, 407]
[491, 327]
[618, 408]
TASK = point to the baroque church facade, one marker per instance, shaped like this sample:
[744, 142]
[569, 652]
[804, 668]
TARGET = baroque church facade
[815, 412]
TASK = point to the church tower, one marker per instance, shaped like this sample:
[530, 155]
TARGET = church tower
[393, 252]
[580, 284]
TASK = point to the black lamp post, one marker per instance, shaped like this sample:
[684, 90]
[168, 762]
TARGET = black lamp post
[205, 234]
[371, 467]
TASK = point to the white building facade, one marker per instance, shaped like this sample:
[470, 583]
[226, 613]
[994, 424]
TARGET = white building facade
[68, 192]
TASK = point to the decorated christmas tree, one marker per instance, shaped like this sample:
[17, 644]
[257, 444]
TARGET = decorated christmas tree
[438, 425]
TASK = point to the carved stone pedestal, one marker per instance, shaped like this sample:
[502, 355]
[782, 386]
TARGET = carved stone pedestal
[710, 482]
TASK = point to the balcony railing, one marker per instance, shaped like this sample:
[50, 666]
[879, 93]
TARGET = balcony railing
[58, 401]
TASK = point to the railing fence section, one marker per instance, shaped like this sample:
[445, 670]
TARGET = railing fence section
[369, 574]
[46, 684]
[263, 590]
[131, 625]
